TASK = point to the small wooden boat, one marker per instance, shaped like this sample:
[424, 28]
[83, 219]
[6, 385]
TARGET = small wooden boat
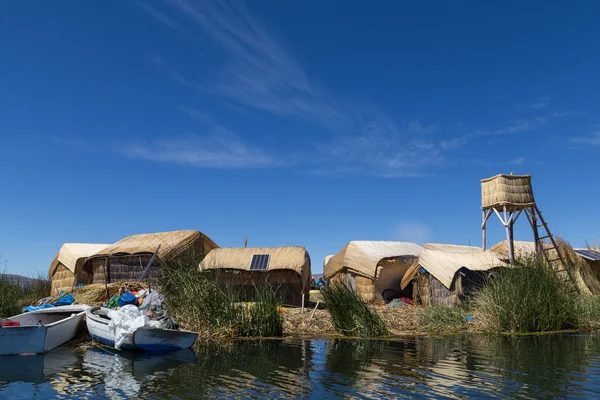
[144, 339]
[40, 331]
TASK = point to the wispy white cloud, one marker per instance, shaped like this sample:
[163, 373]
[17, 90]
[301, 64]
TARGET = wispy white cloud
[219, 148]
[416, 232]
[161, 16]
[516, 127]
[384, 150]
[542, 102]
[208, 151]
[515, 161]
[567, 113]
[258, 71]
[593, 139]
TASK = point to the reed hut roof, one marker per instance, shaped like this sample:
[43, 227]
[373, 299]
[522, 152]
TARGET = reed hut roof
[443, 261]
[327, 258]
[514, 191]
[362, 256]
[171, 244]
[293, 258]
[73, 255]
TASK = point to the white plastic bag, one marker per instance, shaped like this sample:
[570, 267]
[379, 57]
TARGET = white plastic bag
[125, 321]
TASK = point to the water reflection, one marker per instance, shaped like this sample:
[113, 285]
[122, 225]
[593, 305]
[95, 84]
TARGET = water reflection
[37, 368]
[473, 366]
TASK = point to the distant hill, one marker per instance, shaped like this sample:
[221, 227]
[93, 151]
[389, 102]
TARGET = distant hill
[20, 279]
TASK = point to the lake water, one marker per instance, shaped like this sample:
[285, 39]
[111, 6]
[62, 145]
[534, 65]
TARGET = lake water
[462, 366]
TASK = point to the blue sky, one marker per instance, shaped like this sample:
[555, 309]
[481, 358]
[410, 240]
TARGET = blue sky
[291, 123]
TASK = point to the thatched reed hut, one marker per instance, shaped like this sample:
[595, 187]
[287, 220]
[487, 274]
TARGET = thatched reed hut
[327, 258]
[287, 269]
[447, 274]
[66, 270]
[512, 191]
[591, 258]
[126, 259]
[373, 269]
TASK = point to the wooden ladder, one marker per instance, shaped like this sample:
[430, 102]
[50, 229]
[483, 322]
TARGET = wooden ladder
[544, 244]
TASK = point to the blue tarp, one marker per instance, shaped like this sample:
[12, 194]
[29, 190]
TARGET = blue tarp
[65, 300]
[35, 308]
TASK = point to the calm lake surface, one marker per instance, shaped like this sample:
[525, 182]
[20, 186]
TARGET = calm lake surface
[463, 366]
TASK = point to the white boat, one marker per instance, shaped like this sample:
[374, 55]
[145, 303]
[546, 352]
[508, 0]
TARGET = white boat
[41, 331]
[145, 338]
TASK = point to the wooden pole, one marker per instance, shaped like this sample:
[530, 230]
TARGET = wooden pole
[302, 303]
[315, 310]
[483, 229]
[511, 231]
[106, 279]
[536, 236]
[507, 226]
[149, 263]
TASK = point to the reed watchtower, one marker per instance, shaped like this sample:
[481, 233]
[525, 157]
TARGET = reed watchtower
[508, 196]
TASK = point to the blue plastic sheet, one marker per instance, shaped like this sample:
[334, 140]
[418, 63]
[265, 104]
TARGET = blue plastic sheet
[35, 308]
[65, 300]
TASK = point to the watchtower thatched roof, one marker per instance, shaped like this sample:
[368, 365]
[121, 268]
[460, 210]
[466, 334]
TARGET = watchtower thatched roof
[514, 191]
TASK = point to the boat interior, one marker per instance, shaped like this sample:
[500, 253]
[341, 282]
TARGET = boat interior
[37, 319]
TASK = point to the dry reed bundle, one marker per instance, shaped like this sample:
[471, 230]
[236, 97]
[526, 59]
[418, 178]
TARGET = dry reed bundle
[592, 245]
[95, 295]
[509, 190]
[586, 279]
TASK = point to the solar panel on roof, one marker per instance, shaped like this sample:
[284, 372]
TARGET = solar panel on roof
[260, 262]
[589, 254]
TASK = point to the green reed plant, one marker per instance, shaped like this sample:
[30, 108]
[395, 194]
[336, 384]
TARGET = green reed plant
[350, 315]
[442, 318]
[10, 294]
[200, 303]
[531, 297]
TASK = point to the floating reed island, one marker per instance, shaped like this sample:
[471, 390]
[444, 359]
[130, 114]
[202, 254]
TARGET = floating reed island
[389, 286]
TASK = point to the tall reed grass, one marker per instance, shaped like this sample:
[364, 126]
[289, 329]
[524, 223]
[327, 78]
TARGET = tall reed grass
[37, 289]
[199, 303]
[10, 294]
[533, 297]
[442, 318]
[14, 295]
[350, 315]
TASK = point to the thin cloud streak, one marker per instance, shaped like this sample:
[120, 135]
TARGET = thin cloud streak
[161, 16]
[209, 151]
[515, 161]
[542, 102]
[258, 71]
[220, 148]
[516, 127]
[593, 139]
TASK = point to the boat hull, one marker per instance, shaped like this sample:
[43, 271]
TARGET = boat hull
[163, 339]
[102, 333]
[143, 339]
[41, 331]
